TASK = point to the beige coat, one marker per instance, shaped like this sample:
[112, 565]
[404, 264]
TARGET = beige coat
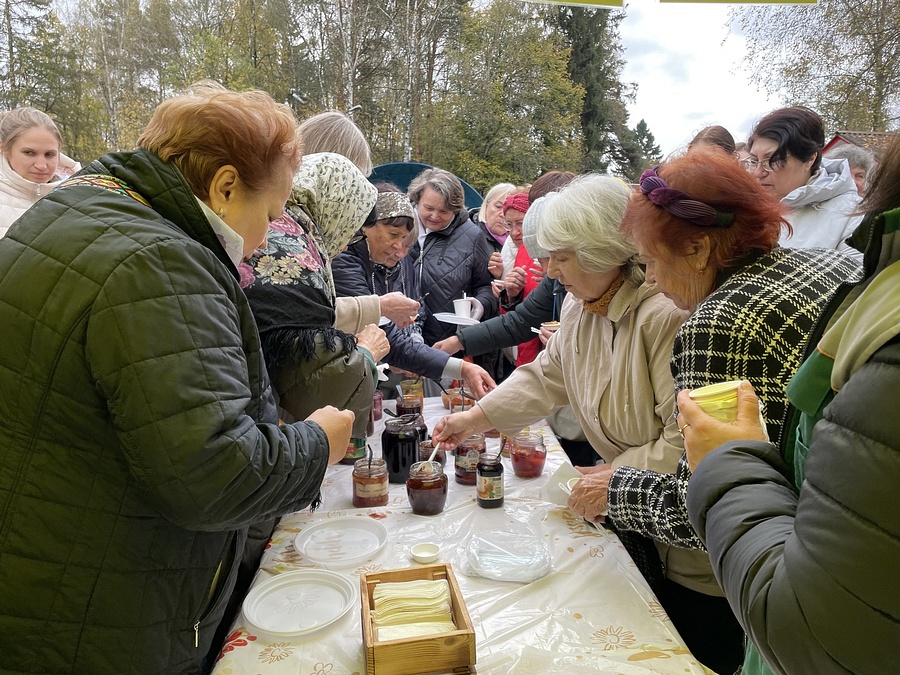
[615, 373]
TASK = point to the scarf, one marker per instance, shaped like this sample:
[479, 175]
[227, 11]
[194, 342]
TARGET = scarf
[601, 305]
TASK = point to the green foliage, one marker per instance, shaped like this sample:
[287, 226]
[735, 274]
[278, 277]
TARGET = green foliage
[488, 91]
[839, 57]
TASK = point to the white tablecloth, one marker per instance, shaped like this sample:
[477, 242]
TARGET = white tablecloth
[593, 613]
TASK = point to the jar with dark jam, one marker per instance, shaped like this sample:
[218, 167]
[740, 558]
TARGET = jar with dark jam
[490, 482]
[412, 405]
[467, 455]
[399, 447]
[377, 405]
[370, 483]
[427, 488]
[425, 450]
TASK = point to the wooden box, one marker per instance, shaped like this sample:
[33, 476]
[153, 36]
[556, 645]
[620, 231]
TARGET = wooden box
[441, 653]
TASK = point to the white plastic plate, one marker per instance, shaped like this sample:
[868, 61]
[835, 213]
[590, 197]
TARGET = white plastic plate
[300, 602]
[341, 541]
[447, 317]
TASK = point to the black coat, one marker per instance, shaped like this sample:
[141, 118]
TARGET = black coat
[514, 327]
[451, 262]
[355, 274]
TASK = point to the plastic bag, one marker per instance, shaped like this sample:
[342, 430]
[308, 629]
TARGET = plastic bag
[508, 556]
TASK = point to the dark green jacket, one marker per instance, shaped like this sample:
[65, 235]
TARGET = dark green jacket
[138, 434]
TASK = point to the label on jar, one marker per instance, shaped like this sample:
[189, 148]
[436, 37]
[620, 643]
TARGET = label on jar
[490, 487]
[370, 490]
[468, 461]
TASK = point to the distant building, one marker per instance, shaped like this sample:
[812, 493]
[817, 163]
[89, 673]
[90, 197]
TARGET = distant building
[876, 141]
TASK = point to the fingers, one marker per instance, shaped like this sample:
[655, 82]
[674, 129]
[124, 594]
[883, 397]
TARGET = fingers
[747, 402]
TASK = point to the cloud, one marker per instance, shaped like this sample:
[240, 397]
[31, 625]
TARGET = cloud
[688, 74]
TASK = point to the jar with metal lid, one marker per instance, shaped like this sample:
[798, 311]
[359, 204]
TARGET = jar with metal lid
[370, 483]
[467, 455]
[400, 446]
[490, 482]
[427, 488]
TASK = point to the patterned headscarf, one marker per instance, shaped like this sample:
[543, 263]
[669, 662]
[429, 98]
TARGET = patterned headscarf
[394, 205]
[335, 195]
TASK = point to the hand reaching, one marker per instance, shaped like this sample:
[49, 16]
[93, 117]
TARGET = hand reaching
[373, 338]
[401, 310]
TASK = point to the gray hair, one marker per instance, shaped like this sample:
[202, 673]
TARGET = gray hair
[531, 225]
[444, 183]
[584, 218]
[19, 120]
[855, 156]
[333, 131]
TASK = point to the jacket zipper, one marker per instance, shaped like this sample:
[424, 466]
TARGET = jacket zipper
[213, 595]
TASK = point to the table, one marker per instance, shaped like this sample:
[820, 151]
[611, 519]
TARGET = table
[592, 613]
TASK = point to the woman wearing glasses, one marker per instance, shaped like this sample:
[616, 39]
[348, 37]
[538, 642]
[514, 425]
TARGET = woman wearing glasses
[819, 193]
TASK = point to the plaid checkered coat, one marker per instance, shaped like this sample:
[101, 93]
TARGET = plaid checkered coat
[754, 326]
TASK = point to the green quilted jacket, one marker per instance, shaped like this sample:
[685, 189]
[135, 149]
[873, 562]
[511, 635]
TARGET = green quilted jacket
[138, 434]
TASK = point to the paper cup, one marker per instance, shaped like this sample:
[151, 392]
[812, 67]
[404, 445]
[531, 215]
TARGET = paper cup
[463, 307]
[718, 400]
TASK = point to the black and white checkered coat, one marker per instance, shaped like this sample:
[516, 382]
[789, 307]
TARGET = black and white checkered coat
[754, 326]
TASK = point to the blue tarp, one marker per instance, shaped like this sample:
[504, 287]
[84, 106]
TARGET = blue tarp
[402, 173]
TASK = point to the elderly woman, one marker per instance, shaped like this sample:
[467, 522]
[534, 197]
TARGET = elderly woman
[609, 360]
[490, 219]
[450, 255]
[708, 234]
[805, 536]
[820, 194]
[291, 292]
[377, 263]
[860, 160]
[134, 401]
[31, 163]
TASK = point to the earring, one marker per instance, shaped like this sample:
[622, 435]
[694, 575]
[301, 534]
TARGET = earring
[221, 213]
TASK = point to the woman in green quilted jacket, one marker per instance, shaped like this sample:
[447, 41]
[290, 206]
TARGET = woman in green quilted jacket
[139, 438]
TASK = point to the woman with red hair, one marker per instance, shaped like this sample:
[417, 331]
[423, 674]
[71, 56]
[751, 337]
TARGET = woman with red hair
[708, 234]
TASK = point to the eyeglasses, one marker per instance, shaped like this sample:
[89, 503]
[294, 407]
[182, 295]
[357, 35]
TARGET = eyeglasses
[508, 225]
[356, 238]
[768, 165]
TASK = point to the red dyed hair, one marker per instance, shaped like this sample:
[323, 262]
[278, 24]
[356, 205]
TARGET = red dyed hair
[202, 132]
[719, 181]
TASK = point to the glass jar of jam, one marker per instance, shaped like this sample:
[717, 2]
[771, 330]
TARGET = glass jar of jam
[490, 482]
[528, 455]
[355, 450]
[412, 405]
[377, 405]
[427, 488]
[399, 447]
[425, 450]
[370, 483]
[467, 455]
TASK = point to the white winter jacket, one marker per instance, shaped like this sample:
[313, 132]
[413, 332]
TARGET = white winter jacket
[17, 194]
[822, 211]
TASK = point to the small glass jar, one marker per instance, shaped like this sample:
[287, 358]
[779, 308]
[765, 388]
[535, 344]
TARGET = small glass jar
[467, 455]
[356, 449]
[528, 455]
[411, 405]
[399, 447]
[370, 483]
[377, 405]
[490, 482]
[426, 488]
[425, 450]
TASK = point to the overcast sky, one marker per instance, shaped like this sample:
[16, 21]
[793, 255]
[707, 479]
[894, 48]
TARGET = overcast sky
[688, 75]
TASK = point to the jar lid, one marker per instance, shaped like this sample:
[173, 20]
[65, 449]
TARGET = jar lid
[401, 422]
